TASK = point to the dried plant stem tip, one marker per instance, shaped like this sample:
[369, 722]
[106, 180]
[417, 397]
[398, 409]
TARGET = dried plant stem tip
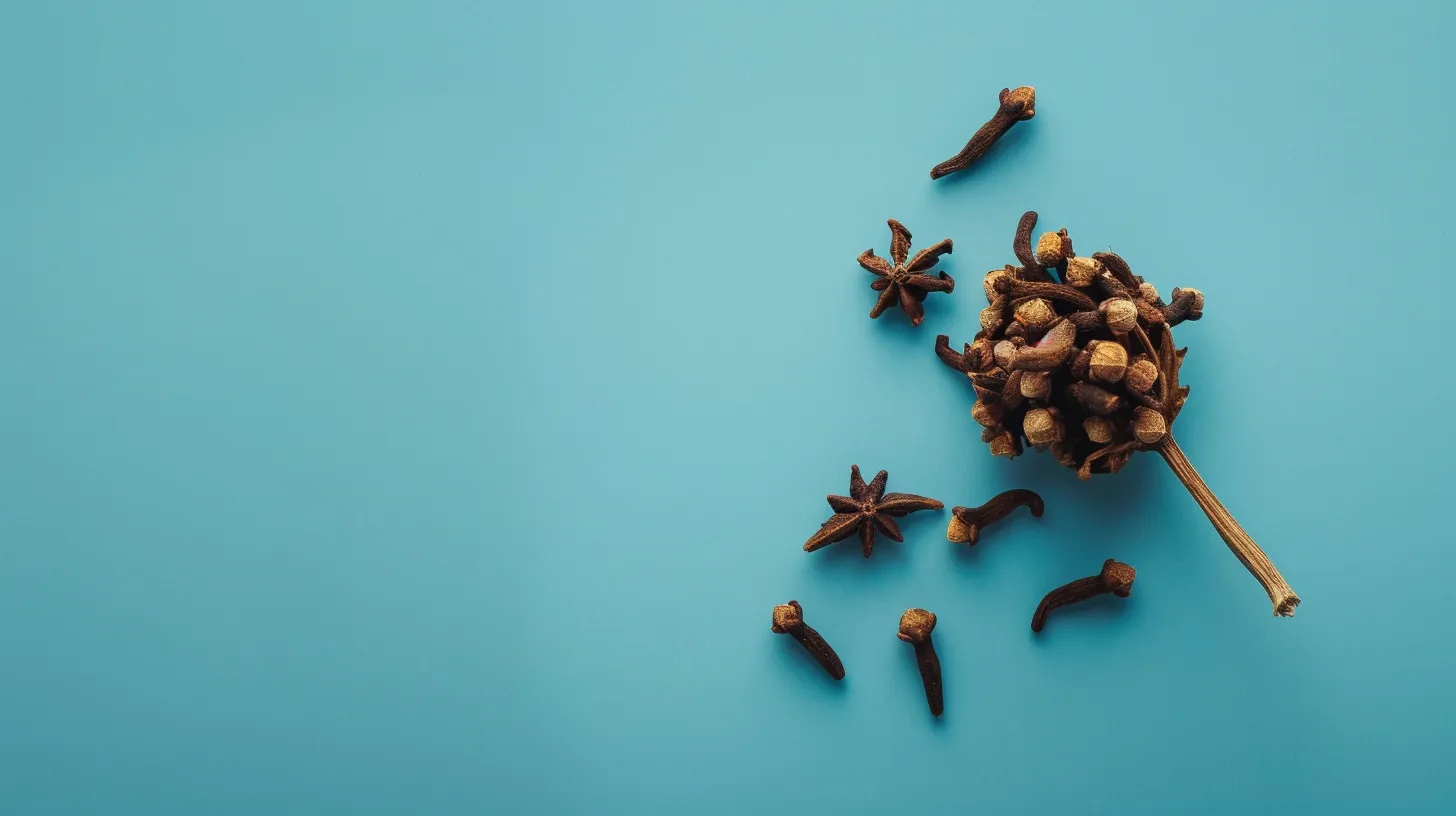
[1015, 106]
[966, 523]
[788, 619]
[1115, 578]
[915, 628]
[1248, 552]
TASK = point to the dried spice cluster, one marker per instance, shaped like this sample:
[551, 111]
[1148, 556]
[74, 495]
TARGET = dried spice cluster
[1084, 367]
[1075, 356]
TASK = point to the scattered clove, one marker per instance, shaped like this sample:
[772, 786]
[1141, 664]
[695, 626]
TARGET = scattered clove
[915, 628]
[902, 281]
[788, 619]
[1116, 578]
[867, 507]
[1015, 106]
[966, 523]
[1100, 343]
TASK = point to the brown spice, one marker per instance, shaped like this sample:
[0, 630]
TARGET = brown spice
[915, 628]
[866, 508]
[1104, 373]
[906, 281]
[1015, 106]
[1116, 578]
[966, 523]
[788, 619]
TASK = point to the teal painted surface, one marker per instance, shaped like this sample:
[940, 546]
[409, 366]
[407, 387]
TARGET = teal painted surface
[418, 408]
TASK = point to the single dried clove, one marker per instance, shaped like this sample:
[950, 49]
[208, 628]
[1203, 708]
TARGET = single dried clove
[1015, 106]
[915, 628]
[966, 523]
[905, 280]
[1116, 578]
[867, 507]
[788, 619]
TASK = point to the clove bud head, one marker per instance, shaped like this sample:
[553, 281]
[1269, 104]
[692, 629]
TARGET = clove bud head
[787, 617]
[1120, 315]
[1117, 577]
[916, 625]
[1082, 272]
[1052, 248]
[1019, 102]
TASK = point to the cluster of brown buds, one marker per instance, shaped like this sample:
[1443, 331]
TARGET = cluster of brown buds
[1075, 356]
[1075, 367]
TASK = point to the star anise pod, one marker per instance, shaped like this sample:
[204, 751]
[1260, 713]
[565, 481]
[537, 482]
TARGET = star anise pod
[902, 282]
[866, 507]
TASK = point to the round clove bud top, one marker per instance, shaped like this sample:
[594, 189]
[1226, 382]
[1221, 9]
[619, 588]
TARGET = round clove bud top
[987, 414]
[957, 531]
[1020, 101]
[1109, 361]
[980, 354]
[916, 625]
[990, 316]
[989, 284]
[1141, 375]
[1051, 248]
[1099, 429]
[1120, 315]
[1197, 297]
[1041, 428]
[787, 617]
[1148, 292]
[1082, 272]
[1036, 385]
[1117, 577]
[1036, 314]
[1148, 425]
[1004, 444]
[1005, 351]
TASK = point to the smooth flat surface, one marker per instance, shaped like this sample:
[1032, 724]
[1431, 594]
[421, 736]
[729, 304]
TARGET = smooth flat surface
[419, 407]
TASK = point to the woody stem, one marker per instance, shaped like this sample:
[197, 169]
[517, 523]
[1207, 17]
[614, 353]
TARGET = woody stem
[1253, 558]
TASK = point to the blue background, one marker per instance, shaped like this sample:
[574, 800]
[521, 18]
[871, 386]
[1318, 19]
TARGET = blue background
[419, 407]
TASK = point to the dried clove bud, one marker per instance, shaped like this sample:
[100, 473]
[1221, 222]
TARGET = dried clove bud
[1141, 375]
[1053, 248]
[1041, 427]
[1097, 401]
[1036, 385]
[1119, 314]
[1148, 425]
[1149, 293]
[1005, 352]
[1016, 106]
[987, 414]
[1099, 429]
[1082, 272]
[789, 619]
[1036, 314]
[1116, 578]
[989, 283]
[915, 628]
[966, 523]
[1109, 361]
[1048, 352]
[1187, 305]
